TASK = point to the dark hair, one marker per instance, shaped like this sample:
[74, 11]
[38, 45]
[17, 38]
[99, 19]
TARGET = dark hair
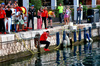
[47, 31]
[8, 7]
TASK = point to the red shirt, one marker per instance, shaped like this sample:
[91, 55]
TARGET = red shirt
[2, 14]
[43, 37]
[45, 13]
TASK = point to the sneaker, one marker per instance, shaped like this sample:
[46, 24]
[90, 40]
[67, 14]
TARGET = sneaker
[45, 28]
[51, 26]
[48, 27]
[4, 32]
[0, 32]
[46, 49]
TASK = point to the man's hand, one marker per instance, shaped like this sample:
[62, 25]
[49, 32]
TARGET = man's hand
[29, 12]
[6, 18]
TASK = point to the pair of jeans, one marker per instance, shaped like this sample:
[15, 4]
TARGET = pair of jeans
[45, 42]
[2, 25]
[31, 18]
[78, 16]
[60, 17]
[44, 19]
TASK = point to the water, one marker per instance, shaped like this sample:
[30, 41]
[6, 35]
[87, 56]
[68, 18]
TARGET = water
[81, 55]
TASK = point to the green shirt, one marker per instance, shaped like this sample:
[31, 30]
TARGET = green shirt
[60, 9]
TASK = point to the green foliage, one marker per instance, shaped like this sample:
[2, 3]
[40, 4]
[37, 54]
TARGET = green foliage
[81, 3]
[60, 1]
[85, 8]
[37, 4]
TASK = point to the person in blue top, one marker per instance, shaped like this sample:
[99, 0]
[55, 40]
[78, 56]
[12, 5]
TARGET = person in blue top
[79, 9]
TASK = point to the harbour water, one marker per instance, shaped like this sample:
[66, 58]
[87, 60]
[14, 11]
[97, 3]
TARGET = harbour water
[87, 54]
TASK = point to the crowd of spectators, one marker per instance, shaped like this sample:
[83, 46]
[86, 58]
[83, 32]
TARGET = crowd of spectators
[11, 15]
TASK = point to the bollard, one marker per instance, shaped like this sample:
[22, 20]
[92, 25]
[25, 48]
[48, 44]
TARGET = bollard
[57, 38]
[79, 34]
[84, 33]
[15, 28]
[80, 50]
[64, 35]
[68, 34]
[90, 32]
[75, 47]
[75, 38]
[70, 42]
[98, 31]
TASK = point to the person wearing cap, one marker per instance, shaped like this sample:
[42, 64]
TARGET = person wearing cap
[8, 18]
[2, 17]
[3, 5]
[32, 13]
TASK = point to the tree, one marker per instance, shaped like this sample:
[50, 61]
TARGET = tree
[37, 4]
[60, 1]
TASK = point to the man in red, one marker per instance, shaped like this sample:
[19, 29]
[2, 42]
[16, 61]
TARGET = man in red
[43, 40]
[2, 17]
[44, 16]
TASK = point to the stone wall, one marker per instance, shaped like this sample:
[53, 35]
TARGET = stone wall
[8, 45]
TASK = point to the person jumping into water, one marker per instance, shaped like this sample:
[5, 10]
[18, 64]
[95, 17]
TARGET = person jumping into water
[43, 40]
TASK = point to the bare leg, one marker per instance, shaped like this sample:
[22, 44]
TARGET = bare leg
[51, 22]
[65, 20]
[23, 27]
[47, 22]
[17, 27]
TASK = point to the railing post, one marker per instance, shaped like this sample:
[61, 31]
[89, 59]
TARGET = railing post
[57, 38]
[84, 33]
[79, 34]
[64, 35]
[90, 32]
[75, 38]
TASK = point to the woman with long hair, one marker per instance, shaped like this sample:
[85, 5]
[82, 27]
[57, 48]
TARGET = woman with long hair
[39, 19]
[67, 15]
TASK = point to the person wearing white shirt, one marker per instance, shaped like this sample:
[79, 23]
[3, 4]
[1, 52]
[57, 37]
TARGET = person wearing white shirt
[19, 19]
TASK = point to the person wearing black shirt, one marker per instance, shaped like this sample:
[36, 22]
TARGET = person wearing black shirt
[32, 13]
[8, 18]
[79, 9]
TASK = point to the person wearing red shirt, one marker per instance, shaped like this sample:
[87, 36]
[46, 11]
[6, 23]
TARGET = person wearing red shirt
[2, 17]
[43, 40]
[44, 16]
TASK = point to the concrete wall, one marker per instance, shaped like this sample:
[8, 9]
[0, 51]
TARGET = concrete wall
[8, 46]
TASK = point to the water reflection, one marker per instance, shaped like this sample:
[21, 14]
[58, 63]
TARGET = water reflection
[87, 54]
[38, 61]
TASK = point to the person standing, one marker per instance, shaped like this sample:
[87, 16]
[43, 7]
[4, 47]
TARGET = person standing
[50, 15]
[67, 15]
[9, 3]
[39, 19]
[43, 40]
[13, 17]
[32, 13]
[44, 16]
[8, 18]
[2, 18]
[60, 8]
[79, 9]
[19, 19]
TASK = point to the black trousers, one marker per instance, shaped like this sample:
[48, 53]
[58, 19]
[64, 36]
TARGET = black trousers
[44, 19]
[31, 18]
[2, 25]
[45, 42]
[60, 17]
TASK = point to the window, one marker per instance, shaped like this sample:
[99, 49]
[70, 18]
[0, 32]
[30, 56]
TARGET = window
[46, 2]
